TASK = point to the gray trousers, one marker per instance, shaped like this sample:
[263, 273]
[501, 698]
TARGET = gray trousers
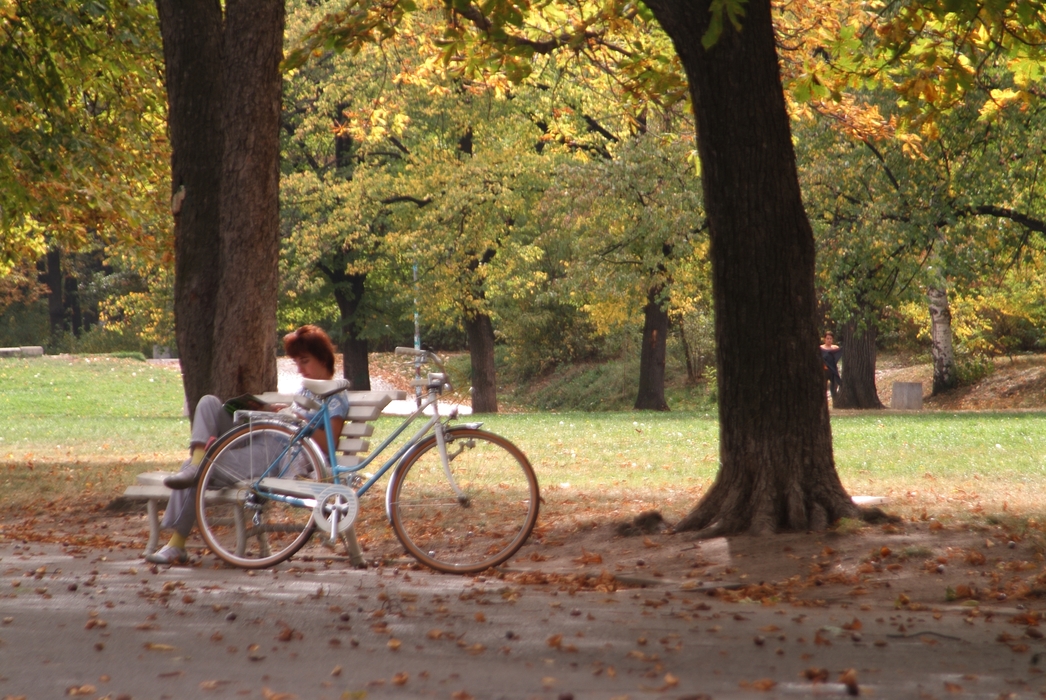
[246, 460]
[210, 420]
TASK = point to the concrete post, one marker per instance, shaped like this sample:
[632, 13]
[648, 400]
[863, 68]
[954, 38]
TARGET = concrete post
[907, 396]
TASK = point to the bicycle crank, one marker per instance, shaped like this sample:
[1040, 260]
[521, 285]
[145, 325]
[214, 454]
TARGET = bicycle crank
[335, 510]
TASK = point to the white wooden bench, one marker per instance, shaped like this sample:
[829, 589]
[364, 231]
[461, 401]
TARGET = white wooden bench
[364, 407]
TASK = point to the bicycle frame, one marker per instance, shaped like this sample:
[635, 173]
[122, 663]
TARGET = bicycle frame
[491, 482]
[322, 418]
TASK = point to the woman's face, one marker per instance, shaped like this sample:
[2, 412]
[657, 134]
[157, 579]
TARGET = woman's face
[311, 368]
[828, 339]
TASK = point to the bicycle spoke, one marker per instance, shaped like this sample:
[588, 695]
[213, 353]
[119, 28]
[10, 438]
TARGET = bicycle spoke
[498, 513]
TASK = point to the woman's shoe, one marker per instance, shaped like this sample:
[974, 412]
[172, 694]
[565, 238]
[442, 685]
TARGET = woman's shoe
[182, 480]
[168, 555]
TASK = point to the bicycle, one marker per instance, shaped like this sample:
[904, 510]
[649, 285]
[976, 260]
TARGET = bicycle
[460, 499]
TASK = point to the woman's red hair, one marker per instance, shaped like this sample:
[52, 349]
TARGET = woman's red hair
[310, 340]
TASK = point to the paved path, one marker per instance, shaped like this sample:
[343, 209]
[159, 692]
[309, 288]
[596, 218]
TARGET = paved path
[104, 624]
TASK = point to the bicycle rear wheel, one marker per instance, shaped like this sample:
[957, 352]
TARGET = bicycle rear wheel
[478, 526]
[240, 525]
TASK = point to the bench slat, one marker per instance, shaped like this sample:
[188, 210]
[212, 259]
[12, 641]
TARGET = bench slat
[357, 429]
[353, 445]
[372, 398]
[364, 413]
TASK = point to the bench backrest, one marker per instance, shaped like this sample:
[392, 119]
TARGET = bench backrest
[364, 407]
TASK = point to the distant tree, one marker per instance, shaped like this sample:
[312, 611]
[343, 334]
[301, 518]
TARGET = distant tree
[81, 116]
[633, 219]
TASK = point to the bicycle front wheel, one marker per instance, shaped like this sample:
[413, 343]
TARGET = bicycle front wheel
[240, 525]
[473, 520]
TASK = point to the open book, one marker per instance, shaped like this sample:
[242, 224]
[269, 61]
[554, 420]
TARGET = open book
[257, 402]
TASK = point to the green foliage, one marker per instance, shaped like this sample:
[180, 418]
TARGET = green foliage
[610, 385]
[970, 369]
[732, 10]
[991, 320]
[24, 324]
[546, 332]
[81, 117]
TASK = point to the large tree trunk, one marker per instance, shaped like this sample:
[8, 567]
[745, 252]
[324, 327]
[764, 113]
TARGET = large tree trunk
[858, 375]
[651, 394]
[481, 352]
[776, 466]
[941, 340]
[192, 49]
[245, 321]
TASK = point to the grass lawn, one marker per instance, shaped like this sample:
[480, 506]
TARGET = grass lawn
[87, 425]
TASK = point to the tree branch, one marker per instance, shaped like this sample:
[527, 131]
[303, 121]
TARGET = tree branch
[400, 198]
[543, 47]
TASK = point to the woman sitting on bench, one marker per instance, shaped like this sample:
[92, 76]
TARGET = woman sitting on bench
[313, 353]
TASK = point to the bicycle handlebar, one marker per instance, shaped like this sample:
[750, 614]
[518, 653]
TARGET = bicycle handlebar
[427, 356]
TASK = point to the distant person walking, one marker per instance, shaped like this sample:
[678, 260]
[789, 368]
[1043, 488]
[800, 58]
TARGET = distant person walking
[830, 353]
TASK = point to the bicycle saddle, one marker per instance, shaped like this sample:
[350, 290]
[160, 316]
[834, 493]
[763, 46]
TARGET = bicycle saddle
[324, 387]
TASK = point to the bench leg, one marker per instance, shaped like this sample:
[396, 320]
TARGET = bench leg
[353, 546]
[154, 526]
[241, 530]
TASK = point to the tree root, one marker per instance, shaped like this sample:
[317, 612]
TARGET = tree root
[646, 523]
[876, 516]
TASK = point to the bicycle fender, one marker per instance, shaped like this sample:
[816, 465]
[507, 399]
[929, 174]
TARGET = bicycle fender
[448, 434]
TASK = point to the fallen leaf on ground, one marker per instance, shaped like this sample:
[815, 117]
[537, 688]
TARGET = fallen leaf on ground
[589, 558]
[270, 695]
[849, 679]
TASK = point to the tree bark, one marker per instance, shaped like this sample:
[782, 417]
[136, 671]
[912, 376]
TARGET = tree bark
[941, 340]
[348, 293]
[480, 333]
[652, 356]
[245, 319]
[52, 277]
[776, 466]
[192, 49]
[72, 304]
[688, 353]
[858, 374]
